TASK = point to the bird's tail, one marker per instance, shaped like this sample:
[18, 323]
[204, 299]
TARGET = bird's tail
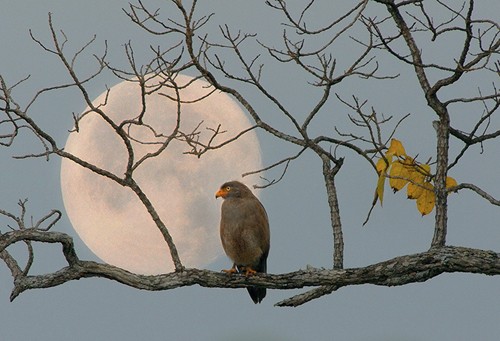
[257, 294]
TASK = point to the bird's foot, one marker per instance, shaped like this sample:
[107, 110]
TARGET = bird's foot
[231, 271]
[249, 271]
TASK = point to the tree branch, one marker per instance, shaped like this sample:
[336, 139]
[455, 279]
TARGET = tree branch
[477, 190]
[397, 271]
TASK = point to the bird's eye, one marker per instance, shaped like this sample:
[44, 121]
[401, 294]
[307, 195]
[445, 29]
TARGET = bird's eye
[228, 188]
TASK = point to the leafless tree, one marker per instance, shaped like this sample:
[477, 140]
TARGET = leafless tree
[403, 33]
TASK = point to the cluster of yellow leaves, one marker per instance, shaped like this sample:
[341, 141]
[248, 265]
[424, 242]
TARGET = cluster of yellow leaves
[403, 171]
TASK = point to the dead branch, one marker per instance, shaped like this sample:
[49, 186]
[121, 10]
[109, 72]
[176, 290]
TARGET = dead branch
[398, 271]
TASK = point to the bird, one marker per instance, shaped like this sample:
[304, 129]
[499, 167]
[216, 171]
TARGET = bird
[244, 232]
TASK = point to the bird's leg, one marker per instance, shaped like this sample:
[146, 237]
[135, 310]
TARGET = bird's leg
[231, 271]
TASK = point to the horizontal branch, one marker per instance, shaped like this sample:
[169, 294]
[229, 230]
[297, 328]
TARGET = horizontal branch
[394, 272]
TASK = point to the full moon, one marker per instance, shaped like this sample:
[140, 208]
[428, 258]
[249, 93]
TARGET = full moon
[111, 220]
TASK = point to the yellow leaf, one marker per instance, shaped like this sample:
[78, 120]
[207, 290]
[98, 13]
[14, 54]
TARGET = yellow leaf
[401, 175]
[380, 188]
[415, 189]
[427, 200]
[396, 148]
[424, 169]
[408, 162]
[450, 182]
[382, 165]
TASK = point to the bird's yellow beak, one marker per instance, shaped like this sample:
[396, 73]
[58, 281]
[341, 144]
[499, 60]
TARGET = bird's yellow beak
[221, 193]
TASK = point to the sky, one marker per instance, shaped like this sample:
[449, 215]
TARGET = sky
[449, 307]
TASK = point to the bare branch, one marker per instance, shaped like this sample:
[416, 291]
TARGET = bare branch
[286, 161]
[476, 189]
[394, 272]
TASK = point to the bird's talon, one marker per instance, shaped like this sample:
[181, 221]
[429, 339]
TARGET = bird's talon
[250, 272]
[230, 271]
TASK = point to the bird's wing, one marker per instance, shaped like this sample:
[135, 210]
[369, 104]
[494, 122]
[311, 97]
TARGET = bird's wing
[258, 222]
[245, 230]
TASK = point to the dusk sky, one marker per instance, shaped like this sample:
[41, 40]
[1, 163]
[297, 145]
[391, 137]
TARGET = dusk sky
[448, 307]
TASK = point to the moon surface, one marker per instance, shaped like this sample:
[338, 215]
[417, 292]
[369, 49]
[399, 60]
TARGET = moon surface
[111, 220]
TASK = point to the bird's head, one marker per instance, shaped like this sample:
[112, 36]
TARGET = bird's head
[232, 189]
